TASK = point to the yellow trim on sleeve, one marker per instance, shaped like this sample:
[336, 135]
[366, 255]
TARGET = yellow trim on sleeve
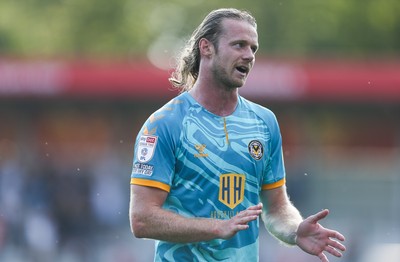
[150, 183]
[274, 185]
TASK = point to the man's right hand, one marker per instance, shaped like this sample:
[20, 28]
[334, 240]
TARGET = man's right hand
[228, 228]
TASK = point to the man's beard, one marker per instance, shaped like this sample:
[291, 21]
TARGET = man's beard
[226, 79]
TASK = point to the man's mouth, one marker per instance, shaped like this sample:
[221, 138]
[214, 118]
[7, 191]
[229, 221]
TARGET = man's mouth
[243, 69]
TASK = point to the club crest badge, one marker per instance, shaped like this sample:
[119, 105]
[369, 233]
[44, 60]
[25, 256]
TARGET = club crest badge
[146, 148]
[256, 149]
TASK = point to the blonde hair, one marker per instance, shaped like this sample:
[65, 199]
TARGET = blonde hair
[188, 62]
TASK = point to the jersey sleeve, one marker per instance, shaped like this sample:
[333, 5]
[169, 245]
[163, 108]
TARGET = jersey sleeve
[274, 175]
[153, 160]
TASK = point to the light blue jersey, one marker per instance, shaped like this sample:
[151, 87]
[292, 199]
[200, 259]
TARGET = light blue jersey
[212, 167]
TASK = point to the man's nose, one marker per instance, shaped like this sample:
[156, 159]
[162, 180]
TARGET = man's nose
[249, 55]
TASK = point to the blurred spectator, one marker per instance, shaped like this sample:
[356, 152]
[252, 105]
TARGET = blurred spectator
[107, 197]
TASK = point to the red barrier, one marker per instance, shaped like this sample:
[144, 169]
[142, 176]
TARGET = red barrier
[270, 80]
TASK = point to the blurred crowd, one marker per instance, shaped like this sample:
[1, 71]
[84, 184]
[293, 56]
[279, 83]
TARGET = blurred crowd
[64, 183]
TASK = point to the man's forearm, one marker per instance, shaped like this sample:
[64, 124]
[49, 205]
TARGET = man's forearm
[283, 223]
[165, 225]
[161, 224]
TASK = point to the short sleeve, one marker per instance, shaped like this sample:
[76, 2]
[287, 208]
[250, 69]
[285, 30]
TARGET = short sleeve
[153, 160]
[274, 175]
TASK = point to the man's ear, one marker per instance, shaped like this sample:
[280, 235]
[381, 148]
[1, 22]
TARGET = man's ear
[206, 47]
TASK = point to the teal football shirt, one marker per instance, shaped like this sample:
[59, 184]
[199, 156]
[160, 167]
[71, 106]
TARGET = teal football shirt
[211, 167]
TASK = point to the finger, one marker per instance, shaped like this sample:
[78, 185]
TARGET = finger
[248, 213]
[333, 251]
[339, 236]
[245, 216]
[320, 215]
[337, 245]
[241, 227]
[255, 207]
[323, 257]
[247, 219]
[335, 234]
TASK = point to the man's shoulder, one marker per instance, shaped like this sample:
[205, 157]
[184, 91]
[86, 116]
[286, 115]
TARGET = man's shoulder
[170, 115]
[175, 107]
[260, 110]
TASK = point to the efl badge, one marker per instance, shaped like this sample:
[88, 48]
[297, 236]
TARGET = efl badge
[146, 148]
[231, 189]
[256, 149]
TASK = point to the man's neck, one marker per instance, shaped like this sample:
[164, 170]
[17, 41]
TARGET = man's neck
[221, 102]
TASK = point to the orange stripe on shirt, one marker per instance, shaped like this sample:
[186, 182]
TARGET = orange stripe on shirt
[150, 183]
[274, 185]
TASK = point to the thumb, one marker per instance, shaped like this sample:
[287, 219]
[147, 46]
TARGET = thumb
[317, 217]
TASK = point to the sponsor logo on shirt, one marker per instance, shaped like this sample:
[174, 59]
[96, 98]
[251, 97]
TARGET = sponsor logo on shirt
[200, 149]
[256, 149]
[146, 148]
[226, 214]
[231, 189]
[143, 169]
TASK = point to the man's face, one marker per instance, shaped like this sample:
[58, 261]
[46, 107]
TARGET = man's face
[235, 54]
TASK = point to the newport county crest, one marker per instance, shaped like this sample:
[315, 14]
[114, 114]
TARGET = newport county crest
[231, 189]
[256, 149]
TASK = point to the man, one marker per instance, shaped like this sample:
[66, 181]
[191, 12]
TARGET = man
[209, 162]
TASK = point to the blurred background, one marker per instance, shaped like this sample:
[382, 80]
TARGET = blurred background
[79, 78]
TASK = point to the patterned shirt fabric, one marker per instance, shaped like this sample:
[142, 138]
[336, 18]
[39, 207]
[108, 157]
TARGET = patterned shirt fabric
[211, 167]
